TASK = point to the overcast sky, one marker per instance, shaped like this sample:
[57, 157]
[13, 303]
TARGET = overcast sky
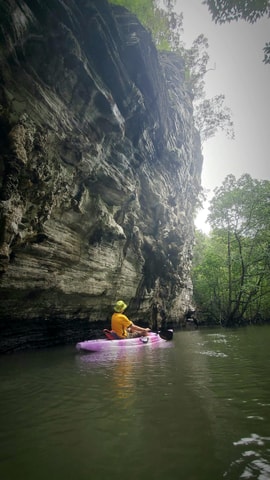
[237, 50]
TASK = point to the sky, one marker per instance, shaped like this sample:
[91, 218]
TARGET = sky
[236, 51]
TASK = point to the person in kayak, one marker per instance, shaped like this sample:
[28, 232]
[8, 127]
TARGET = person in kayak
[122, 326]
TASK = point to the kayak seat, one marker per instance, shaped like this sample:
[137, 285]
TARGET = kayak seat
[110, 334]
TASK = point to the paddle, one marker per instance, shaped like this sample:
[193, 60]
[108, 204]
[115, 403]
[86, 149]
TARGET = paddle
[166, 334]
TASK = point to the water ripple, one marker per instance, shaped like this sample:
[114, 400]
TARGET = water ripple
[251, 464]
[197, 409]
[211, 353]
[253, 439]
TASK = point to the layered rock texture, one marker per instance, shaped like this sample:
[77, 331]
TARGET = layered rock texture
[100, 171]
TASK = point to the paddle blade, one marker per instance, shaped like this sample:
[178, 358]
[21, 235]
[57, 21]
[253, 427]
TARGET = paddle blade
[166, 334]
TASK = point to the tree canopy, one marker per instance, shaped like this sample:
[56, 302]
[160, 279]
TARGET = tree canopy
[228, 10]
[166, 27]
[251, 11]
[231, 278]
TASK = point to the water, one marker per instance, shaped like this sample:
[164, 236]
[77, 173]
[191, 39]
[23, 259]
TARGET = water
[196, 409]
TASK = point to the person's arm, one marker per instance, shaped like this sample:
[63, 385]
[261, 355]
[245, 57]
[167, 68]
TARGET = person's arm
[136, 328]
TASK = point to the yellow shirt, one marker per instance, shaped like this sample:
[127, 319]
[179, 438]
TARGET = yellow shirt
[120, 323]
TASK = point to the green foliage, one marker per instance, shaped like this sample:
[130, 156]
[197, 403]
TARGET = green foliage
[212, 115]
[165, 25]
[208, 277]
[232, 277]
[196, 60]
[252, 10]
[228, 10]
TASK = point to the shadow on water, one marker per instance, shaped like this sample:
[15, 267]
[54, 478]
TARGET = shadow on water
[229, 373]
[197, 408]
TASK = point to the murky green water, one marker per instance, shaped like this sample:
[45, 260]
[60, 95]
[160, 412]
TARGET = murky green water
[197, 409]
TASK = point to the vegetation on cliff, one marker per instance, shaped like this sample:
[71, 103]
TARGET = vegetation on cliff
[231, 266]
[100, 164]
[166, 27]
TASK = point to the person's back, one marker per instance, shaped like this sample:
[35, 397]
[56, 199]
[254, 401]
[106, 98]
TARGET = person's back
[120, 323]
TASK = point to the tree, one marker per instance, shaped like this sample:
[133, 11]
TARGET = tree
[212, 115]
[196, 61]
[227, 10]
[208, 277]
[251, 11]
[166, 27]
[238, 279]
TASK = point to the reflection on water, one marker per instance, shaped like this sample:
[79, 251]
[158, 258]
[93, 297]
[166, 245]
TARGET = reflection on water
[237, 392]
[196, 408]
[254, 459]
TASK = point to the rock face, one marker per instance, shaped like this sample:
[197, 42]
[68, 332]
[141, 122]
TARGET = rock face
[100, 171]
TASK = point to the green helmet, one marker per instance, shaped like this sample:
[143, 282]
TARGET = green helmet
[120, 306]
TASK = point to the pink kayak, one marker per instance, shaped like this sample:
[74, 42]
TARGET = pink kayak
[105, 344]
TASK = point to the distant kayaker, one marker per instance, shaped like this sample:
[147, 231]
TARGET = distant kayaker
[124, 327]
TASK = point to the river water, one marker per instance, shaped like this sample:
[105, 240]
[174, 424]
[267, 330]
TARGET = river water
[196, 408]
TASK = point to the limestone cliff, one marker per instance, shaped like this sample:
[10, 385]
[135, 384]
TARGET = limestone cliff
[100, 171]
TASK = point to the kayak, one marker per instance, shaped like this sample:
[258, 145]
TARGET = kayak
[102, 344]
